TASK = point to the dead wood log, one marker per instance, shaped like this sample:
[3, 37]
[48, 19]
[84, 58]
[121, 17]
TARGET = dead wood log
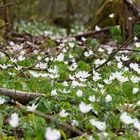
[20, 96]
[92, 33]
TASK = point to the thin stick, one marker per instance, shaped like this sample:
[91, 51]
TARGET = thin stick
[117, 50]
[8, 56]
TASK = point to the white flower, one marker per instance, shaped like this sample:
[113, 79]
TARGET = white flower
[13, 60]
[79, 93]
[52, 134]
[124, 58]
[75, 84]
[35, 51]
[118, 75]
[100, 85]
[99, 125]
[130, 18]
[63, 113]
[119, 65]
[66, 62]
[74, 123]
[65, 83]
[60, 57]
[21, 58]
[97, 28]
[123, 79]
[138, 103]
[14, 120]
[64, 50]
[23, 51]
[12, 73]
[44, 74]
[18, 68]
[42, 65]
[99, 61]
[100, 50]
[109, 49]
[34, 74]
[65, 91]
[47, 33]
[135, 90]
[53, 76]
[90, 138]
[126, 69]
[125, 118]
[85, 108]
[70, 56]
[82, 74]
[53, 72]
[53, 92]
[71, 45]
[96, 76]
[137, 44]
[136, 124]
[83, 39]
[108, 98]
[2, 100]
[135, 38]
[111, 15]
[32, 108]
[73, 66]
[102, 91]
[135, 67]
[92, 98]
[88, 53]
[39, 57]
[3, 66]
[118, 58]
[11, 43]
[107, 81]
[134, 79]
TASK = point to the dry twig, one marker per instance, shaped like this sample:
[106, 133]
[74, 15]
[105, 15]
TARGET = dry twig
[117, 50]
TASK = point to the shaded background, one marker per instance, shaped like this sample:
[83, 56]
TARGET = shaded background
[58, 12]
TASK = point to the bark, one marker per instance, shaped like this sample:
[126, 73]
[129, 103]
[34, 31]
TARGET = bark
[131, 6]
[20, 96]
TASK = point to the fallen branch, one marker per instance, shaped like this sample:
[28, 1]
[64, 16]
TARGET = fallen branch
[92, 33]
[53, 119]
[133, 8]
[20, 96]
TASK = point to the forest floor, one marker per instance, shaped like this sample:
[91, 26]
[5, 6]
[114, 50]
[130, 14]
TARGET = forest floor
[81, 86]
